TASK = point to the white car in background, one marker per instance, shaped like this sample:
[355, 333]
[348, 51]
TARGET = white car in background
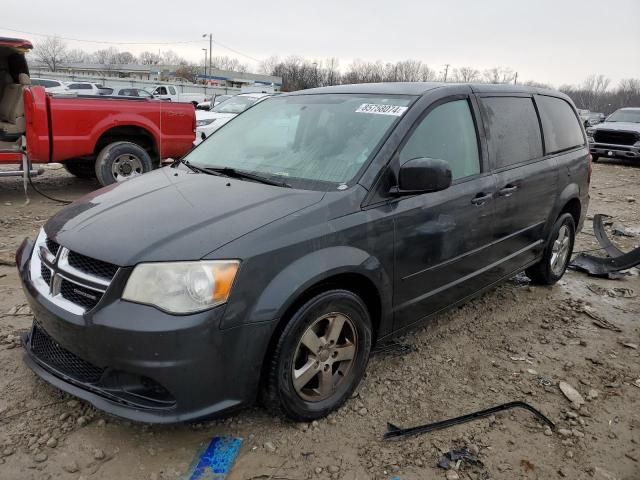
[50, 85]
[209, 122]
[83, 88]
[206, 105]
[171, 93]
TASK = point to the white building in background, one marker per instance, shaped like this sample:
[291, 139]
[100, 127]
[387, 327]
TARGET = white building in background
[107, 73]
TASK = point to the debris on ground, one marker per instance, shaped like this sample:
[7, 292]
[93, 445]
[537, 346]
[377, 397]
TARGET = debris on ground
[599, 320]
[394, 431]
[216, 461]
[621, 231]
[458, 456]
[572, 394]
[616, 261]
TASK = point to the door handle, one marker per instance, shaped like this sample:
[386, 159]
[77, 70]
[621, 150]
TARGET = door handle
[507, 191]
[481, 199]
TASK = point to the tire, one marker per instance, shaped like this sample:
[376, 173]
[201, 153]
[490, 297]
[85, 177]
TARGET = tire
[307, 399]
[120, 161]
[551, 267]
[80, 167]
[595, 158]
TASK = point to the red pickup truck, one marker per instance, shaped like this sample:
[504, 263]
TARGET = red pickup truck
[110, 138]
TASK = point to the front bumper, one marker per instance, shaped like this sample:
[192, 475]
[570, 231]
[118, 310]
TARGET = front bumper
[614, 151]
[137, 362]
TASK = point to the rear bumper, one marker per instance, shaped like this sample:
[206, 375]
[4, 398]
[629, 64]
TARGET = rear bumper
[137, 362]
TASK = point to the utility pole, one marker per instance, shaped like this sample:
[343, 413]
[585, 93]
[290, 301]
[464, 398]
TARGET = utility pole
[210, 49]
[205, 66]
[446, 71]
[515, 80]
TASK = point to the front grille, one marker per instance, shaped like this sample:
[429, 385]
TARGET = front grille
[79, 295]
[46, 273]
[614, 137]
[47, 350]
[92, 266]
[52, 246]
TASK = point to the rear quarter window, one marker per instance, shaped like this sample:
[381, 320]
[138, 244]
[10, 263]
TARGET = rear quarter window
[562, 130]
[513, 131]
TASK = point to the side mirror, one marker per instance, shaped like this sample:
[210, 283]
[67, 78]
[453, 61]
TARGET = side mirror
[422, 175]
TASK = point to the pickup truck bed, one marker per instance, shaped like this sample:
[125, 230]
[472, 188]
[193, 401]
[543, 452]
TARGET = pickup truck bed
[76, 130]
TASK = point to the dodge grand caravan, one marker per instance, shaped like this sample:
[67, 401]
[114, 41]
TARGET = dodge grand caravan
[274, 255]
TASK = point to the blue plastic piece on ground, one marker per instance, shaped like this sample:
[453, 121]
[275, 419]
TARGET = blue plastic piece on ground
[217, 459]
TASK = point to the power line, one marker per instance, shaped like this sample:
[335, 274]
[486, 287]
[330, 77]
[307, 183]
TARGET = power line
[99, 42]
[237, 52]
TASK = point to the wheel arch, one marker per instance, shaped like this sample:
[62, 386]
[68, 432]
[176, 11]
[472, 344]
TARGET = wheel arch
[129, 133]
[568, 201]
[343, 268]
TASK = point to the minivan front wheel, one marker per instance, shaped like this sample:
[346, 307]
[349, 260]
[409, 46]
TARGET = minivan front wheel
[320, 357]
[557, 253]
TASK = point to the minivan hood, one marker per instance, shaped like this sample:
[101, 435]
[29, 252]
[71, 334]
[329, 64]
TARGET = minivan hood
[170, 214]
[627, 126]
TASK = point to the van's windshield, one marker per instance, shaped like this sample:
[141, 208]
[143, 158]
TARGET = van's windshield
[321, 140]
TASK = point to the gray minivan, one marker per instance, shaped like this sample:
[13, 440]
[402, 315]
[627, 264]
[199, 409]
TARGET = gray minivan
[275, 254]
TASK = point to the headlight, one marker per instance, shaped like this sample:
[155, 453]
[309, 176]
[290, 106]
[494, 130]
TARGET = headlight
[591, 131]
[182, 287]
[205, 122]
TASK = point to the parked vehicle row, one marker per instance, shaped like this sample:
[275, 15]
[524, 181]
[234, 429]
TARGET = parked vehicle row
[162, 92]
[208, 122]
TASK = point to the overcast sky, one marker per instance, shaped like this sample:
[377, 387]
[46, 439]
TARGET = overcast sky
[552, 41]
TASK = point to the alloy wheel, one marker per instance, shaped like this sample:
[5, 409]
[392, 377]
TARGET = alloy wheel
[560, 250]
[324, 357]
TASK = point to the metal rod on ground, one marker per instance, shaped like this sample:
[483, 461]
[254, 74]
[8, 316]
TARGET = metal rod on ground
[393, 431]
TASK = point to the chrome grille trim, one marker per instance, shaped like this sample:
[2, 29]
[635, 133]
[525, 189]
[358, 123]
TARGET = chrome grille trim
[60, 269]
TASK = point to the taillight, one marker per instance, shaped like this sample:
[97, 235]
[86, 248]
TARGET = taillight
[590, 158]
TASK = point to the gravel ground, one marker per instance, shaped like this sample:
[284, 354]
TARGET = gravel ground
[517, 342]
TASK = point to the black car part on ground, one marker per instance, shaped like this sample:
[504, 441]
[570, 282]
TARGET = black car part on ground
[604, 266]
[394, 431]
[458, 454]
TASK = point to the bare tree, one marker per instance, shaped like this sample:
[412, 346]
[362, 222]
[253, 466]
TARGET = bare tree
[427, 74]
[171, 58]
[268, 65]
[629, 91]
[149, 58]
[229, 63]
[105, 56]
[188, 71]
[466, 74]
[51, 51]
[78, 56]
[498, 75]
[124, 58]
[331, 72]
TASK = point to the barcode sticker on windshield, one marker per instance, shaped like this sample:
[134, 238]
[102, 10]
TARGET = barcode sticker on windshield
[394, 110]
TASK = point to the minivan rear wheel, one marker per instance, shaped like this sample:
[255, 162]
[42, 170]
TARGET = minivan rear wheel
[320, 357]
[557, 253]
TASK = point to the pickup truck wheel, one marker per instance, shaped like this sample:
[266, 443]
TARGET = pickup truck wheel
[557, 253]
[80, 167]
[320, 357]
[595, 158]
[120, 161]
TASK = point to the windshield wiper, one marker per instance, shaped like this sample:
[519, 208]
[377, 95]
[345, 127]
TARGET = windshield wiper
[233, 173]
[192, 167]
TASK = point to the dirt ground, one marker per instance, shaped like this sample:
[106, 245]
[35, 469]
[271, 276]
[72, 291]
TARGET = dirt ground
[517, 342]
